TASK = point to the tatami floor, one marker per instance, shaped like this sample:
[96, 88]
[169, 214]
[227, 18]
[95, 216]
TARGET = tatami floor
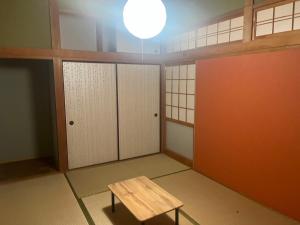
[81, 197]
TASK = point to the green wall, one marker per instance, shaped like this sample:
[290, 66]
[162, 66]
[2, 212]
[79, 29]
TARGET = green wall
[26, 130]
[25, 24]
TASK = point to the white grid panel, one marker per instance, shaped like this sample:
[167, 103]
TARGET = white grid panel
[219, 33]
[223, 31]
[264, 25]
[201, 37]
[180, 92]
[192, 39]
[212, 34]
[236, 28]
[277, 19]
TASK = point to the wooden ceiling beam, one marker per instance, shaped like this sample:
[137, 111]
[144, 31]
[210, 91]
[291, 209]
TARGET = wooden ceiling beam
[74, 55]
[109, 57]
[25, 53]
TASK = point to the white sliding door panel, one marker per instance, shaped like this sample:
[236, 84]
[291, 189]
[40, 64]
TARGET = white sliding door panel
[139, 111]
[91, 103]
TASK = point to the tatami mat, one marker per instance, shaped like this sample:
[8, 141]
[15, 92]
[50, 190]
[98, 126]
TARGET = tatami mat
[45, 200]
[93, 180]
[99, 207]
[210, 203]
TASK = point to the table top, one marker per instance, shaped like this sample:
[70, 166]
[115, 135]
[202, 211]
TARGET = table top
[144, 198]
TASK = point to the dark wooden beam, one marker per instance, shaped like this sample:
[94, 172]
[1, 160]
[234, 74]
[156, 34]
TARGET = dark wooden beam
[60, 115]
[163, 109]
[25, 53]
[248, 20]
[112, 57]
[87, 56]
[54, 22]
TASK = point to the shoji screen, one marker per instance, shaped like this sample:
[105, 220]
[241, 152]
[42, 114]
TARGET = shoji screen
[138, 98]
[180, 93]
[91, 113]
[281, 17]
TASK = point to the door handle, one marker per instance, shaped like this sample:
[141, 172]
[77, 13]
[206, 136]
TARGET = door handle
[155, 114]
[71, 123]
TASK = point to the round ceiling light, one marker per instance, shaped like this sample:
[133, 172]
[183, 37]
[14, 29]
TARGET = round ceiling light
[144, 18]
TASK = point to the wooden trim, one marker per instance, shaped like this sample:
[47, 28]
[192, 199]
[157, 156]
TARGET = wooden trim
[26, 53]
[293, 15]
[276, 34]
[179, 64]
[163, 108]
[54, 23]
[195, 118]
[179, 158]
[60, 114]
[111, 57]
[269, 43]
[74, 55]
[248, 21]
[180, 122]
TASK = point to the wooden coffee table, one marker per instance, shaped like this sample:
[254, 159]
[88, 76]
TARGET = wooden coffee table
[144, 199]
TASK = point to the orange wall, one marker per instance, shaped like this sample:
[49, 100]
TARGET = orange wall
[247, 130]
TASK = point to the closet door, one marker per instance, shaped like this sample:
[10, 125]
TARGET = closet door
[139, 117]
[91, 113]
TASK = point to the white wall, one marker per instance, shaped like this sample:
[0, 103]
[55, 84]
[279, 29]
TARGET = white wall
[180, 139]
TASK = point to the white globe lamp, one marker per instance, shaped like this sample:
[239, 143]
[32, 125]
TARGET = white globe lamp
[144, 18]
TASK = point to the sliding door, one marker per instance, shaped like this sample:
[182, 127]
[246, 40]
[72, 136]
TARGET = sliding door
[139, 121]
[91, 113]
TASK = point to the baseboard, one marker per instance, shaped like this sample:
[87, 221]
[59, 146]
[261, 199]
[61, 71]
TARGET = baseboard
[180, 158]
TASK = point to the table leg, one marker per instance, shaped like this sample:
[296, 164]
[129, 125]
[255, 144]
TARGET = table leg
[177, 216]
[113, 202]
[143, 223]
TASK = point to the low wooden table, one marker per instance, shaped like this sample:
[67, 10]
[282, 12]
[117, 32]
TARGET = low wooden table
[144, 199]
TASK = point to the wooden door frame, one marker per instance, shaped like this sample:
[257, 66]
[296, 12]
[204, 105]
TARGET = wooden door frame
[61, 129]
